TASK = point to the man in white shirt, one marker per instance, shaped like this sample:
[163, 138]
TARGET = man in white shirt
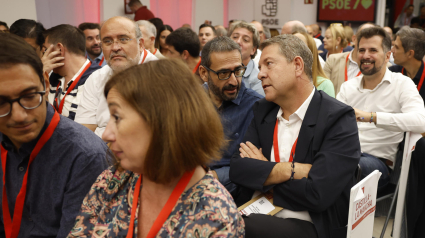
[67, 81]
[309, 149]
[122, 45]
[386, 104]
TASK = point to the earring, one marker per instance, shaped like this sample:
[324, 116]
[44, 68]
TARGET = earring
[336, 47]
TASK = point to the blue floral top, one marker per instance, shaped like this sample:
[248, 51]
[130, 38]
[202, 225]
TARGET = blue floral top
[204, 210]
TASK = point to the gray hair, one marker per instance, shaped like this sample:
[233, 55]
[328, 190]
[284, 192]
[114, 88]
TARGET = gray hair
[150, 28]
[218, 44]
[290, 47]
[250, 27]
[412, 39]
[267, 33]
[299, 28]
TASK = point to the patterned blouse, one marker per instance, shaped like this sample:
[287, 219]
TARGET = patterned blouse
[204, 210]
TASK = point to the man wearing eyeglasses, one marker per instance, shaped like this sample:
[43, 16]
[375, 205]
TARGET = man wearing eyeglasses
[123, 47]
[222, 70]
[48, 162]
[67, 44]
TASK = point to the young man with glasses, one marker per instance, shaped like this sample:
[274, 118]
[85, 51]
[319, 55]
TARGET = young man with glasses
[222, 70]
[123, 46]
[48, 162]
[67, 44]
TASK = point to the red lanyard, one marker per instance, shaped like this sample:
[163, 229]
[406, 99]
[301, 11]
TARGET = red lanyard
[155, 51]
[346, 64]
[101, 62]
[144, 55]
[197, 66]
[317, 36]
[276, 146]
[166, 210]
[12, 227]
[70, 88]
[421, 81]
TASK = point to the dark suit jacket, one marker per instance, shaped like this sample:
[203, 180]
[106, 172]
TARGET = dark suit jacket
[328, 139]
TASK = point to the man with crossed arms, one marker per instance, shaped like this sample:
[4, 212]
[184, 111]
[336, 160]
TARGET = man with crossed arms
[298, 126]
[122, 45]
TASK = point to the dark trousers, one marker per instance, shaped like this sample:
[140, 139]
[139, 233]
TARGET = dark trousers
[258, 225]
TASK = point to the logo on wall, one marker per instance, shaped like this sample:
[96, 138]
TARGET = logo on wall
[270, 8]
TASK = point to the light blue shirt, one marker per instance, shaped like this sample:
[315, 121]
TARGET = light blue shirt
[250, 78]
[97, 59]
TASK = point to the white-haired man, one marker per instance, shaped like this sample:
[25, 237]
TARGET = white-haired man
[148, 34]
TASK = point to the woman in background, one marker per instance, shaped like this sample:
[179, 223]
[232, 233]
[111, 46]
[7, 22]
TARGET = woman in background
[163, 132]
[320, 80]
[335, 41]
[162, 34]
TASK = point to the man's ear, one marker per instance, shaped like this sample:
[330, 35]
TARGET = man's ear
[410, 54]
[203, 72]
[61, 49]
[153, 40]
[185, 54]
[142, 44]
[299, 66]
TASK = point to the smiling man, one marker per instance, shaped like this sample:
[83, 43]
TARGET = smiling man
[122, 45]
[50, 161]
[302, 145]
[386, 104]
[93, 51]
[221, 68]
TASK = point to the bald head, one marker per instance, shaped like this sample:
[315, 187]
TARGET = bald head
[119, 20]
[390, 31]
[315, 28]
[293, 26]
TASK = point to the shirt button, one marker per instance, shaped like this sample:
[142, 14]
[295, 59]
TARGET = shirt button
[21, 169]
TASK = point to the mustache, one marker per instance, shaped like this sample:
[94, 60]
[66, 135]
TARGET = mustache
[229, 87]
[20, 124]
[95, 45]
[367, 61]
[117, 54]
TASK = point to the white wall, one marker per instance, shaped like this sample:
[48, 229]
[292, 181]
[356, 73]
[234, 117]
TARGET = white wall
[12, 10]
[207, 10]
[241, 10]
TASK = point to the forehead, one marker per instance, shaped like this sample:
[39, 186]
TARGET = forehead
[91, 32]
[242, 31]
[271, 51]
[225, 60]
[165, 32]
[118, 27]
[258, 26]
[206, 29]
[22, 73]
[373, 42]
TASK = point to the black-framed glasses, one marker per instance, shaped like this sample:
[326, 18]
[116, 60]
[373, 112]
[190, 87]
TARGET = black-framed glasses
[27, 101]
[225, 74]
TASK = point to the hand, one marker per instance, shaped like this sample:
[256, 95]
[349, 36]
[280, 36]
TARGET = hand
[362, 116]
[249, 150]
[301, 170]
[51, 59]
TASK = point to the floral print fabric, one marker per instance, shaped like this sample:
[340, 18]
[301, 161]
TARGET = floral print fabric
[204, 210]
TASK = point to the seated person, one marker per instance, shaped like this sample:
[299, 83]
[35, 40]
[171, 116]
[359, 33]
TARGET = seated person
[386, 104]
[51, 161]
[230, 96]
[154, 133]
[311, 178]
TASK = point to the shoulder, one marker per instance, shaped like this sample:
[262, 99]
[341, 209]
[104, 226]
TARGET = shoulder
[150, 57]
[336, 57]
[213, 210]
[331, 106]
[251, 95]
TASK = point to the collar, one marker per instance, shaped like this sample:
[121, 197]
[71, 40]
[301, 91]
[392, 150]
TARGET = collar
[27, 148]
[142, 54]
[387, 77]
[351, 58]
[98, 59]
[78, 73]
[300, 112]
[249, 69]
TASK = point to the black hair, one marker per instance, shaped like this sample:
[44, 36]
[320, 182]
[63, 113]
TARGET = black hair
[69, 36]
[27, 28]
[184, 39]
[208, 25]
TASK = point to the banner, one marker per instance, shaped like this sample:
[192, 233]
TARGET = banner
[346, 10]
[272, 13]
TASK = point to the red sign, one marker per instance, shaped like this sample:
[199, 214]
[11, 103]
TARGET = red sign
[346, 10]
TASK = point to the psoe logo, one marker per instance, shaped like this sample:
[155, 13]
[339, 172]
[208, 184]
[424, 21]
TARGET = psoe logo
[270, 8]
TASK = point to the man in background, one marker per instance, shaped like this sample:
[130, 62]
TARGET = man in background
[148, 34]
[140, 11]
[93, 51]
[206, 33]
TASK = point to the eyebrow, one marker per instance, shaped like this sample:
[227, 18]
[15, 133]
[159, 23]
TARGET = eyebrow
[23, 91]
[113, 104]
[227, 69]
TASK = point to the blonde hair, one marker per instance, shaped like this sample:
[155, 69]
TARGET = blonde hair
[337, 30]
[316, 67]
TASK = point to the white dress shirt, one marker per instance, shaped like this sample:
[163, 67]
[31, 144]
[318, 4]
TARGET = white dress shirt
[288, 131]
[93, 108]
[72, 100]
[398, 107]
[352, 68]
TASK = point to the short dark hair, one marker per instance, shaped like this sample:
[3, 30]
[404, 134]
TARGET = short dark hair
[176, 111]
[184, 39]
[158, 23]
[218, 44]
[375, 31]
[15, 50]
[27, 28]
[412, 39]
[70, 36]
[208, 25]
[87, 25]
[133, 2]
[2, 23]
